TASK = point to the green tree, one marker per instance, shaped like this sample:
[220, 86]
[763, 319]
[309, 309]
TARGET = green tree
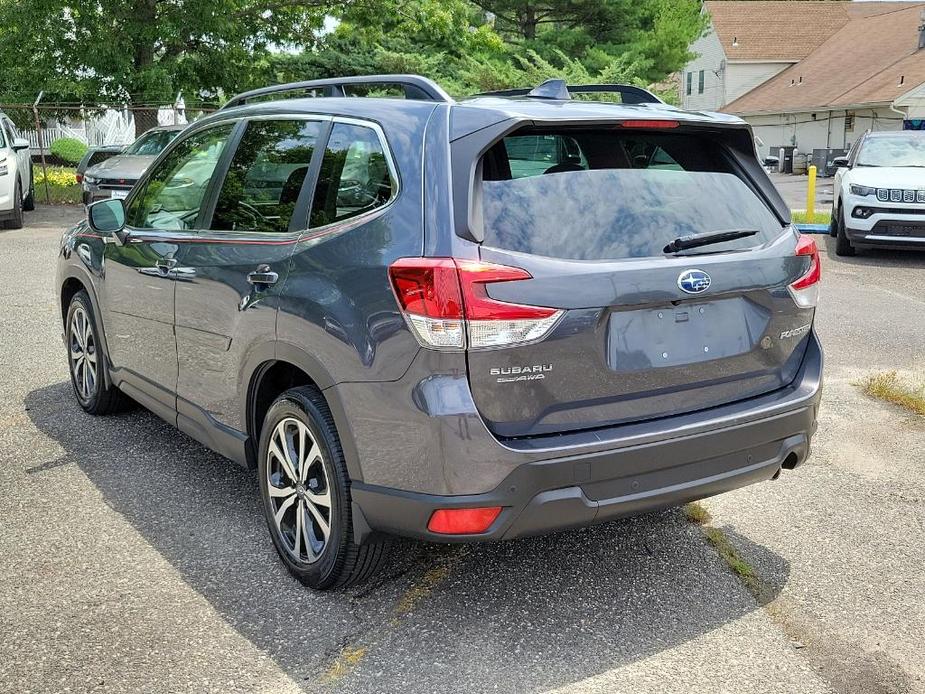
[144, 51]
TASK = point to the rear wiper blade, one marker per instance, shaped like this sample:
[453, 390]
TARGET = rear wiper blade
[707, 238]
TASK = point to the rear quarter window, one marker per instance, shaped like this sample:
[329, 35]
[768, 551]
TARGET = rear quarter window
[599, 194]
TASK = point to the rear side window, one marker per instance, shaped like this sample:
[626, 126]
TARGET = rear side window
[354, 178]
[599, 194]
[266, 175]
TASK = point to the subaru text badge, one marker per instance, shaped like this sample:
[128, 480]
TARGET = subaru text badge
[694, 281]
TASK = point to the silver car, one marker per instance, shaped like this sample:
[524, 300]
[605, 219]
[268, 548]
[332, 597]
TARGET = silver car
[115, 177]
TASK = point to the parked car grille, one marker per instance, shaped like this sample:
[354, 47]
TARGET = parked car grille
[900, 195]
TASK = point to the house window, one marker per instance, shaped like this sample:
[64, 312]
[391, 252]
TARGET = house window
[700, 83]
[690, 82]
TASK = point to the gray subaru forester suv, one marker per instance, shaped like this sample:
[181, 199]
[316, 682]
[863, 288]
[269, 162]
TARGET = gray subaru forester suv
[453, 320]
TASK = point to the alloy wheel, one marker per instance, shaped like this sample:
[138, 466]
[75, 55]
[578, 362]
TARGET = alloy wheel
[299, 491]
[82, 345]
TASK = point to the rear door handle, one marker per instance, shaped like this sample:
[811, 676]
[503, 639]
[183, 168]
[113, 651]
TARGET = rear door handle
[263, 275]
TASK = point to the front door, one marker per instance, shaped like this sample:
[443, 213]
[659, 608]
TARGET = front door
[230, 275]
[140, 273]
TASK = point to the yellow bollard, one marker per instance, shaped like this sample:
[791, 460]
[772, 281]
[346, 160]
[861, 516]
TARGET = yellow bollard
[811, 196]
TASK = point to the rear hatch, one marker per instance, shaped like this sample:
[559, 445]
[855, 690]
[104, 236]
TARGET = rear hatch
[641, 332]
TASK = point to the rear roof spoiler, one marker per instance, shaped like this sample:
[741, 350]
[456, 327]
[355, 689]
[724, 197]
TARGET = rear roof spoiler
[558, 90]
[414, 86]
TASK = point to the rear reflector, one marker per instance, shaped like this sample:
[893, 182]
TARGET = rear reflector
[650, 124]
[805, 291]
[462, 521]
[447, 305]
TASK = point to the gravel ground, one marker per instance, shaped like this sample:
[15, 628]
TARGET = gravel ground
[132, 559]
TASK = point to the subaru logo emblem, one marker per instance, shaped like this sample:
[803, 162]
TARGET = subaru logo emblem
[694, 281]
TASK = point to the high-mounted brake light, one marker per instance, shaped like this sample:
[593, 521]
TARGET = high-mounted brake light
[447, 305]
[805, 291]
[650, 124]
[462, 521]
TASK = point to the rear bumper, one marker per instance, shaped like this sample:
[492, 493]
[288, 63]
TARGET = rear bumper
[577, 490]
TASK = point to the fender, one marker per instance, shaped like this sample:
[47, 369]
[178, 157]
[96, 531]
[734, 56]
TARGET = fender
[82, 274]
[269, 353]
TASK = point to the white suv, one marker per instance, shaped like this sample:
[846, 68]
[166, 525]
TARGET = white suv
[17, 191]
[880, 193]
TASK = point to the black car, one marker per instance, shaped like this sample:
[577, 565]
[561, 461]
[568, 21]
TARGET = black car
[453, 320]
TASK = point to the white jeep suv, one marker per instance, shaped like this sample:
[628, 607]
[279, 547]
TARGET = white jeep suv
[17, 191]
[880, 193]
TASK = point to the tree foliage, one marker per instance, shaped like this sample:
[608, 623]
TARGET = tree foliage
[145, 51]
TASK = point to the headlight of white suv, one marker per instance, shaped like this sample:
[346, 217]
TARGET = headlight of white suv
[862, 190]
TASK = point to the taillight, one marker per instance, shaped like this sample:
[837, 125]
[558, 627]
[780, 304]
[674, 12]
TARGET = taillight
[462, 521]
[805, 291]
[79, 177]
[447, 305]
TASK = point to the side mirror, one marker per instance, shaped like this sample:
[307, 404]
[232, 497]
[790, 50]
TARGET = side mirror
[107, 216]
[20, 143]
[840, 162]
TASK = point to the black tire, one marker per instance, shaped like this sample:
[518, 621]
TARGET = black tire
[337, 562]
[28, 203]
[843, 246]
[87, 377]
[16, 221]
[833, 224]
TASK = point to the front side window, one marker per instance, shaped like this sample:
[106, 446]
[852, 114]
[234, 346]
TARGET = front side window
[173, 194]
[893, 150]
[634, 193]
[151, 143]
[354, 177]
[266, 176]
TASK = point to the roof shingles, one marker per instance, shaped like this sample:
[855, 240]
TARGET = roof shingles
[860, 63]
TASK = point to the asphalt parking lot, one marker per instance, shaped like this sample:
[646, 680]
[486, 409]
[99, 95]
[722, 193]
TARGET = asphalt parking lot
[133, 559]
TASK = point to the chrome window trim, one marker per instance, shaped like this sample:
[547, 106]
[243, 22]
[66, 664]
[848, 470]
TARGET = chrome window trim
[309, 231]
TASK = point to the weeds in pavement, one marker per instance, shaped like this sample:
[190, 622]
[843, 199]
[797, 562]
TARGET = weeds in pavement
[890, 387]
[698, 514]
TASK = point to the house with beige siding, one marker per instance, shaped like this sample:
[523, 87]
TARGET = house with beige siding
[814, 75]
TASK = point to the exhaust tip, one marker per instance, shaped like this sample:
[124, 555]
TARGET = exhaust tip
[791, 461]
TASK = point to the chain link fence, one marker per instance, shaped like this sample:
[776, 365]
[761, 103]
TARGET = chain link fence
[99, 125]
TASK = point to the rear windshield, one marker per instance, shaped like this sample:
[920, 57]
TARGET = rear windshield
[596, 194]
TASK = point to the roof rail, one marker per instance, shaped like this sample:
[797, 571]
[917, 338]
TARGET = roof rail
[552, 89]
[415, 87]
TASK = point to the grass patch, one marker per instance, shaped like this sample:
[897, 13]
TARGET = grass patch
[697, 513]
[890, 387]
[799, 217]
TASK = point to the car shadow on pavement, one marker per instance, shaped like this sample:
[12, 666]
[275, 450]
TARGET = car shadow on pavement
[877, 257]
[528, 614]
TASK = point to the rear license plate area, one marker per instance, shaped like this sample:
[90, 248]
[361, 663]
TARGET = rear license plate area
[685, 334]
